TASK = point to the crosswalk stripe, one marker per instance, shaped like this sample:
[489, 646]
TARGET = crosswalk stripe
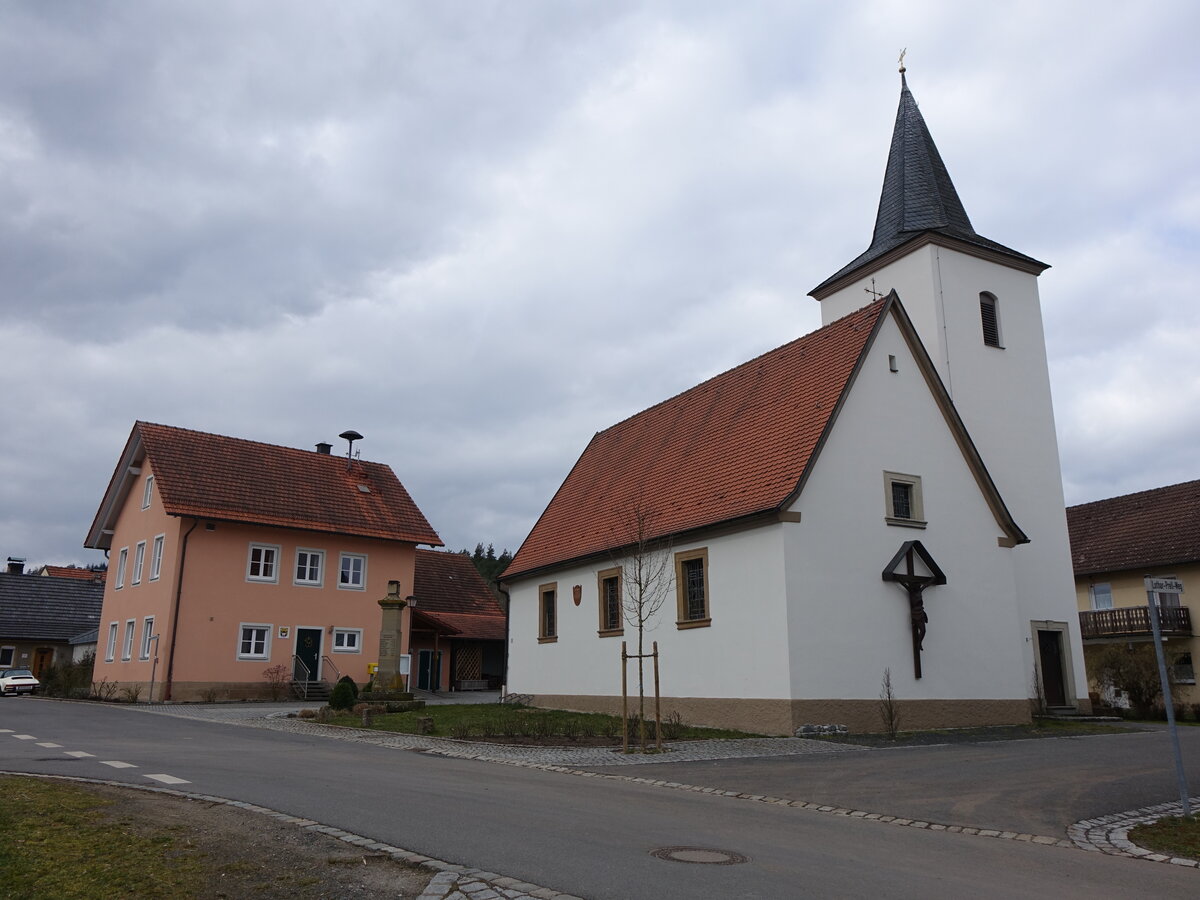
[168, 779]
[117, 764]
[79, 754]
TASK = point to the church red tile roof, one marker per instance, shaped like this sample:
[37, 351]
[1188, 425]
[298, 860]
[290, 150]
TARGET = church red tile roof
[1158, 527]
[732, 447]
[214, 477]
[450, 591]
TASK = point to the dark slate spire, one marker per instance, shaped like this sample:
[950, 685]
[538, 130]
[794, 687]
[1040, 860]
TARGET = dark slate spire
[918, 196]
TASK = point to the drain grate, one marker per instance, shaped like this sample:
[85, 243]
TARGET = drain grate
[701, 855]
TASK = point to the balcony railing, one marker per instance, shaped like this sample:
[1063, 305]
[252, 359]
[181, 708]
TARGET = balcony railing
[1134, 621]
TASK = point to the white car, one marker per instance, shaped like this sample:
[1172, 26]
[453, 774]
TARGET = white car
[17, 681]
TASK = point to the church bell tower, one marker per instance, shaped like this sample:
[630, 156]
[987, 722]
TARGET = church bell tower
[975, 305]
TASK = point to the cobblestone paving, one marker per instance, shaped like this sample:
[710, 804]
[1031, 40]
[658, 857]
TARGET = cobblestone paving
[275, 718]
[1110, 834]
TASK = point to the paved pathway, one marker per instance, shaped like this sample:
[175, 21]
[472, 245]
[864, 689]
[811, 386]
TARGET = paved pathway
[275, 717]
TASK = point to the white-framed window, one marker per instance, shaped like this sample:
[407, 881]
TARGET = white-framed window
[156, 557]
[903, 502]
[1101, 595]
[310, 567]
[147, 633]
[148, 492]
[6, 656]
[110, 651]
[347, 640]
[127, 643]
[254, 641]
[352, 572]
[989, 317]
[122, 560]
[139, 561]
[263, 564]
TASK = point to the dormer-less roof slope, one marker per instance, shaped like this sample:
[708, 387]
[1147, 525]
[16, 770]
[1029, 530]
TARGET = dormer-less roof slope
[229, 479]
[450, 591]
[918, 200]
[50, 571]
[47, 609]
[732, 447]
[1159, 527]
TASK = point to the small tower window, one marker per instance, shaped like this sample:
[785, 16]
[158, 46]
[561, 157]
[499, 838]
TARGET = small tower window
[989, 314]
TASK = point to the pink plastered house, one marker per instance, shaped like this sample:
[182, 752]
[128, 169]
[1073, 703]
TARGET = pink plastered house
[229, 558]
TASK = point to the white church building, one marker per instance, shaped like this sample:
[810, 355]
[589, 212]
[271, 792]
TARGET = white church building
[881, 494]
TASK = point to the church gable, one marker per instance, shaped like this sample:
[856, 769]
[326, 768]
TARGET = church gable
[732, 448]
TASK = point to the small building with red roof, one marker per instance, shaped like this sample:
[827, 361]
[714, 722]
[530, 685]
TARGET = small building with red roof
[458, 627]
[231, 558]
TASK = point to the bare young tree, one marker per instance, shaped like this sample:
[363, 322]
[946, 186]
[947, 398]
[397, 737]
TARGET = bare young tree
[647, 577]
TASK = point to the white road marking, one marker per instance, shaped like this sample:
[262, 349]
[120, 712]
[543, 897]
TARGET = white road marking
[168, 779]
[24, 737]
[49, 745]
[79, 754]
[117, 764]
[6, 731]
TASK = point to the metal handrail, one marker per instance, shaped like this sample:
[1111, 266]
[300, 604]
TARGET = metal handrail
[296, 660]
[336, 672]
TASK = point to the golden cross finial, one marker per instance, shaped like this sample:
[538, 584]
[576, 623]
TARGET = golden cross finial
[901, 60]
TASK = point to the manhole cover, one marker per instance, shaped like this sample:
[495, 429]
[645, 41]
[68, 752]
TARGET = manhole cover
[702, 855]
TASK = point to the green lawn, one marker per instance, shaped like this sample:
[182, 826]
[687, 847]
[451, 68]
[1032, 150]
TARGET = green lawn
[58, 843]
[1174, 836]
[513, 723]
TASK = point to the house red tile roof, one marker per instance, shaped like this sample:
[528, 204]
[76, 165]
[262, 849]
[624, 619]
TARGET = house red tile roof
[214, 477]
[73, 572]
[1159, 527]
[451, 592]
[732, 447]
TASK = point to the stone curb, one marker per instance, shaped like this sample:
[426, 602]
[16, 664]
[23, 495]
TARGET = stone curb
[1082, 839]
[449, 882]
[803, 804]
[1110, 834]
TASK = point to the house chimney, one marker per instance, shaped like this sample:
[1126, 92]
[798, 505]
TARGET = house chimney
[16, 565]
[324, 448]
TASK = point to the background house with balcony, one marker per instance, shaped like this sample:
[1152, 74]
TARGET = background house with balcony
[229, 557]
[1115, 543]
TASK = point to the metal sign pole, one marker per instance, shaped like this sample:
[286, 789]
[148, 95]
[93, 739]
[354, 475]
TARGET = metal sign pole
[1156, 629]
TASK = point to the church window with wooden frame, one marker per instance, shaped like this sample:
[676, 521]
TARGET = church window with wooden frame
[548, 613]
[902, 496]
[691, 589]
[611, 620]
[989, 315]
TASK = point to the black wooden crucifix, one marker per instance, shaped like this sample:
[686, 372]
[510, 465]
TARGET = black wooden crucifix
[915, 585]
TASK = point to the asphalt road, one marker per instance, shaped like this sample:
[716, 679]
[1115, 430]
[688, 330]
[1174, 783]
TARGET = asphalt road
[1038, 786]
[589, 837]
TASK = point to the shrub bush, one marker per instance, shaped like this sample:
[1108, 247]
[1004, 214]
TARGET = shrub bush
[346, 679]
[343, 696]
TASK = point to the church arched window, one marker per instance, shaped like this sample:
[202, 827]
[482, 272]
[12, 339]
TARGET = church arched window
[989, 314]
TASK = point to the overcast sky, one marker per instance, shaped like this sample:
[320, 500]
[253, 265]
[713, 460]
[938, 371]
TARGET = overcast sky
[480, 232]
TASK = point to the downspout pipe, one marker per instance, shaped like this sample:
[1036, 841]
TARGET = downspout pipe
[175, 612]
[507, 610]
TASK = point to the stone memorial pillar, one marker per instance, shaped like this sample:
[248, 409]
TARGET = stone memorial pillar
[388, 677]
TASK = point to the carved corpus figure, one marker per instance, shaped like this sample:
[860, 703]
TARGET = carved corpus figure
[914, 585]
